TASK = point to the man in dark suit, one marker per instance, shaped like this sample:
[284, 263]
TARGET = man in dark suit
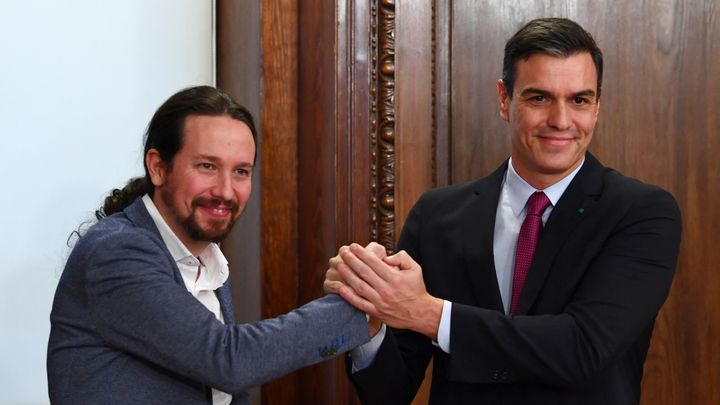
[538, 284]
[142, 312]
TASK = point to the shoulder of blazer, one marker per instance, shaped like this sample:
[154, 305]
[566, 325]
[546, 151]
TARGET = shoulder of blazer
[611, 184]
[612, 190]
[133, 220]
[457, 192]
[628, 186]
[139, 215]
[135, 224]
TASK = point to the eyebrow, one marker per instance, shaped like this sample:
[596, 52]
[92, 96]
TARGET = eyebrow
[215, 159]
[585, 93]
[533, 90]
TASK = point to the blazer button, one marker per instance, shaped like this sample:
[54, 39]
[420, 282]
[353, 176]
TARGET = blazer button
[495, 375]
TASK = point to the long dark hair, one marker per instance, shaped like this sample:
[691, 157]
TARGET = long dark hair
[165, 134]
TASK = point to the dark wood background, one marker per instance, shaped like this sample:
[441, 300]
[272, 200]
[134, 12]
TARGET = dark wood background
[365, 104]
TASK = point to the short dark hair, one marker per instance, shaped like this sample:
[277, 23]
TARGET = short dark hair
[559, 37]
[165, 134]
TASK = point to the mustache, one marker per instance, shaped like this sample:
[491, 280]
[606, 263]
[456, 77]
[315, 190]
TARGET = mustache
[215, 202]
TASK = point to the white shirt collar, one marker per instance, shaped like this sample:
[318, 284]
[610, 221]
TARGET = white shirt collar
[519, 190]
[215, 271]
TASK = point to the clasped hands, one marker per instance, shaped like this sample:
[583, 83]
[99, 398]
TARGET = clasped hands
[390, 289]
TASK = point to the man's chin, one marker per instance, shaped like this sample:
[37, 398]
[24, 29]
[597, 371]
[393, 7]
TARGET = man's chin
[215, 234]
[218, 235]
[215, 237]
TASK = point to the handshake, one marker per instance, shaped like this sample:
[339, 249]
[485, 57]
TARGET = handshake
[390, 289]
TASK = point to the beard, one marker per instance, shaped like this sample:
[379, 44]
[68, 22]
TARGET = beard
[216, 230]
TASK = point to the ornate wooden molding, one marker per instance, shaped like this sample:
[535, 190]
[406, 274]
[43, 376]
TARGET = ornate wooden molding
[382, 122]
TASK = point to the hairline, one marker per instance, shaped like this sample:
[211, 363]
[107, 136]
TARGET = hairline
[560, 54]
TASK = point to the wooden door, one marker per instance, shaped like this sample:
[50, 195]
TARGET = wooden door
[303, 68]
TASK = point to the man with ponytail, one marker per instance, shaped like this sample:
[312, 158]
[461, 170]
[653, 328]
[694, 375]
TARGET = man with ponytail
[143, 313]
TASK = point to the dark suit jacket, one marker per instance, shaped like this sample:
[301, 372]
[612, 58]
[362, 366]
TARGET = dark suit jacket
[124, 330]
[602, 269]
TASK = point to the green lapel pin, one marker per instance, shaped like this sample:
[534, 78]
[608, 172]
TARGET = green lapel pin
[581, 211]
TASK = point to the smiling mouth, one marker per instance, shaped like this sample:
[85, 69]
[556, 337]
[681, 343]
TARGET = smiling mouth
[556, 141]
[216, 208]
[217, 211]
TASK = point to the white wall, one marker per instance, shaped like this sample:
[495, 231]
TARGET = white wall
[79, 80]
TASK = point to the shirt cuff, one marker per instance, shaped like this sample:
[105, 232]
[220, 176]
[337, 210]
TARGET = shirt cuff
[444, 330]
[363, 355]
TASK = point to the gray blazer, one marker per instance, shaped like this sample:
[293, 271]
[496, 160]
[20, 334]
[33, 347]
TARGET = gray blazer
[124, 330]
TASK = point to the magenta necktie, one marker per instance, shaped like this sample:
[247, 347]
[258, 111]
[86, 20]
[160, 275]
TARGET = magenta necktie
[527, 241]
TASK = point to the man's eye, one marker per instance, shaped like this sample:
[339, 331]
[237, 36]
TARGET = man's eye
[538, 99]
[242, 172]
[580, 100]
[207, 166]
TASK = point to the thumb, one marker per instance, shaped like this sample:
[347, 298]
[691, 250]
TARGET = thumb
[402, 260]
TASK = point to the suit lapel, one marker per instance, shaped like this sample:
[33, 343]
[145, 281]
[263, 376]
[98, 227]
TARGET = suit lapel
[477, 240]
[224, 296]
[576, 203]
[139, 215]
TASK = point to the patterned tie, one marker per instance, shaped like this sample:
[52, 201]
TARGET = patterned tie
[527, 241]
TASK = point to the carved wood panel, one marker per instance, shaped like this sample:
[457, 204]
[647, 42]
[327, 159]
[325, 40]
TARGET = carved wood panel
[382, 119]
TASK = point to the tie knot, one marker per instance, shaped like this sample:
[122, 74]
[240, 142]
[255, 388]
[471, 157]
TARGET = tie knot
[537, 203]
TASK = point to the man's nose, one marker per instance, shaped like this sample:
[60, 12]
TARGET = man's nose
[223, 187]
[559, 117]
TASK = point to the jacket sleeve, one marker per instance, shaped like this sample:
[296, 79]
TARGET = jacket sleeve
[137, 307]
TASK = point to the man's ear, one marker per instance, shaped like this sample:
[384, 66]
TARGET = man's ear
[503, 101]
[157, 169]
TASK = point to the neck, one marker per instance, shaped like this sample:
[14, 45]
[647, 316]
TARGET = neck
[539, 180]
[195, 247]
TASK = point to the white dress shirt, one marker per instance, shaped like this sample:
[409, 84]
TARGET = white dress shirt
[202, 275]
[510, 214]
